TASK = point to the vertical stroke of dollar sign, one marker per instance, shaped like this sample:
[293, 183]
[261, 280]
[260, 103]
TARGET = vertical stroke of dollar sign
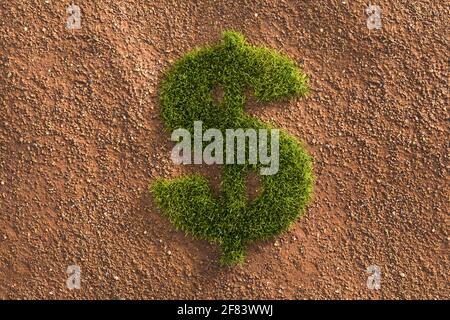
[230, 220]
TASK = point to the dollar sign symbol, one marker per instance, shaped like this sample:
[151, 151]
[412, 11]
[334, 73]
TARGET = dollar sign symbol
[186, 96]
[374, 19]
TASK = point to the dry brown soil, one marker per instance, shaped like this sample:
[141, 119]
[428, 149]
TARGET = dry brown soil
[81, 140]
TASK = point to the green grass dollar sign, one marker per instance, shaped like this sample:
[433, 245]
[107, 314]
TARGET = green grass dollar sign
[230, 220]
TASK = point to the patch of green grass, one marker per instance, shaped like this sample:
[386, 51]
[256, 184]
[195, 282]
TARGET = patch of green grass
[231, 220]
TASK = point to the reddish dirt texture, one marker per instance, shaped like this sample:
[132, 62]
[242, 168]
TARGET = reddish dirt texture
[81, 140]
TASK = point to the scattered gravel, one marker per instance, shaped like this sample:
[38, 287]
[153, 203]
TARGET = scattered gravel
[81, 139]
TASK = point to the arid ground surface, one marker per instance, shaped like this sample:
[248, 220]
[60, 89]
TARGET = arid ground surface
[81, 139]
